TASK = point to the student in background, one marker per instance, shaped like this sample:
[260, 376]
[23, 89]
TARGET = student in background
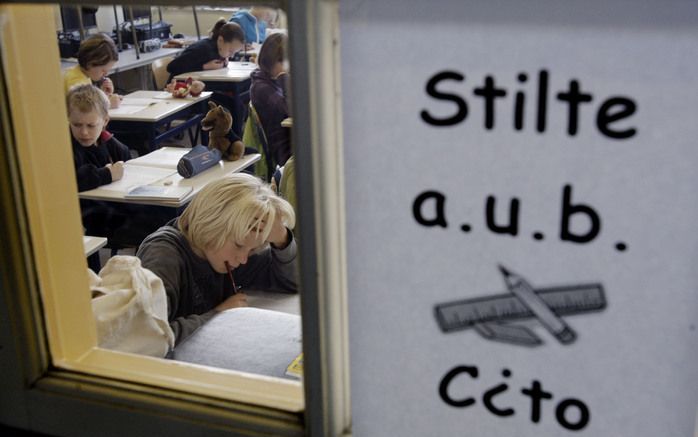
[254, 22]
[98, 156]
[234, 233]
[210, 54]
[269, 95]
[225, 39]
[96, 56]
[99, 160]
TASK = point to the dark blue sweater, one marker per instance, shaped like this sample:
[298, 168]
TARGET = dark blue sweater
[90, 161]
[193, 57]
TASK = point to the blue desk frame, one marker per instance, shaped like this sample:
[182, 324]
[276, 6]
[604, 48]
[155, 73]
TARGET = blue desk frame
[194, 114]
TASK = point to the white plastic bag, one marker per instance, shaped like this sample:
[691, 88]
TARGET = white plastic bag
[130, 308]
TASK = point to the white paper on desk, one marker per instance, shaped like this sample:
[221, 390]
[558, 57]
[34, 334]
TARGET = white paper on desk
[163, 95]
[125, 109]
[165, 157]
[136, 101]
[168, 96]
[160, 192]
[135, 175]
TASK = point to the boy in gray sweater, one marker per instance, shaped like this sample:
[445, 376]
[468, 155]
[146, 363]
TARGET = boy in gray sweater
[235, 233]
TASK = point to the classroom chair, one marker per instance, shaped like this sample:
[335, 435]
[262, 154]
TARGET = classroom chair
[160, 76]
[160, 73]
[254, 136]
[285, 178]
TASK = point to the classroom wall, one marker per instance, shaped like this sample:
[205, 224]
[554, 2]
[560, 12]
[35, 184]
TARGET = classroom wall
[105, 17]
[181, 18]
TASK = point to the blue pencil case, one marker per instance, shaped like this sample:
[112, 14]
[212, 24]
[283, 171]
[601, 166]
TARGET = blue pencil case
[198, 159]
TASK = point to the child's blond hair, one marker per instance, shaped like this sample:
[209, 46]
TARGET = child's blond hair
[87, 98]
[229, 209]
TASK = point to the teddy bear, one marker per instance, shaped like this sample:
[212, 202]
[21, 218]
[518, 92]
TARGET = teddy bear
[218, 123]
[182, 89]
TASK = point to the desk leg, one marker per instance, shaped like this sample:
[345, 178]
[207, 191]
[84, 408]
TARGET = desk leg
[94, 263]
[151, 143]
[234, 96]
[194, 136]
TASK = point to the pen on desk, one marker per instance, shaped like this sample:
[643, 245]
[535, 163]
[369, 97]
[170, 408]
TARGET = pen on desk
[519, 287]
[230, 275]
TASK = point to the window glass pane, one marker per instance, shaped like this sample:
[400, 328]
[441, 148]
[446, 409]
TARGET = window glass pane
[178, 118]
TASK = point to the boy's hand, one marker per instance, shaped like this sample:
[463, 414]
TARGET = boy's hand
[235, 301]
[278, 237]
[117, 170]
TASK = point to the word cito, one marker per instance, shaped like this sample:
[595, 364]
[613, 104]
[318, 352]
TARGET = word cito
[609, 111]
[570, 413]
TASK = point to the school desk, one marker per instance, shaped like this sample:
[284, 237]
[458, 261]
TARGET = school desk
[152, 113]
[251, 340]
[245, 55]
[234, 81]
[93, 244]
[235, 72]
[158, 169]
[129, 61]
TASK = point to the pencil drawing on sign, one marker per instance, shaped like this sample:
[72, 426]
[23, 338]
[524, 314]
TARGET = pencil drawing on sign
[490, 316]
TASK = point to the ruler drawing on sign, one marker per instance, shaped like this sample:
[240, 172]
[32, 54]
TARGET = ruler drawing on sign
[491, 316]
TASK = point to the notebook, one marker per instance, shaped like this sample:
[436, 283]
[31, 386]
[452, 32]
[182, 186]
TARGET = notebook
[158, 192]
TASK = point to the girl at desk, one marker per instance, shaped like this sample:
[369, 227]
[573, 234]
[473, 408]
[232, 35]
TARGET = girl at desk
[96, 56]
[269, 95]
[234, 233]
[213, 53]
[210, 53]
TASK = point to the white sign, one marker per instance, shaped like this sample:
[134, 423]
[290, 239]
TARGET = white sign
[522, 217]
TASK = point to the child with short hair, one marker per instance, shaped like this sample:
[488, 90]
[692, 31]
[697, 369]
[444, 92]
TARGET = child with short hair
[99, 160]
[96, 56]
[98, 156]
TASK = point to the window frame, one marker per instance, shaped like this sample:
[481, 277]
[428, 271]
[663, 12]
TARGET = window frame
[57, 380]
